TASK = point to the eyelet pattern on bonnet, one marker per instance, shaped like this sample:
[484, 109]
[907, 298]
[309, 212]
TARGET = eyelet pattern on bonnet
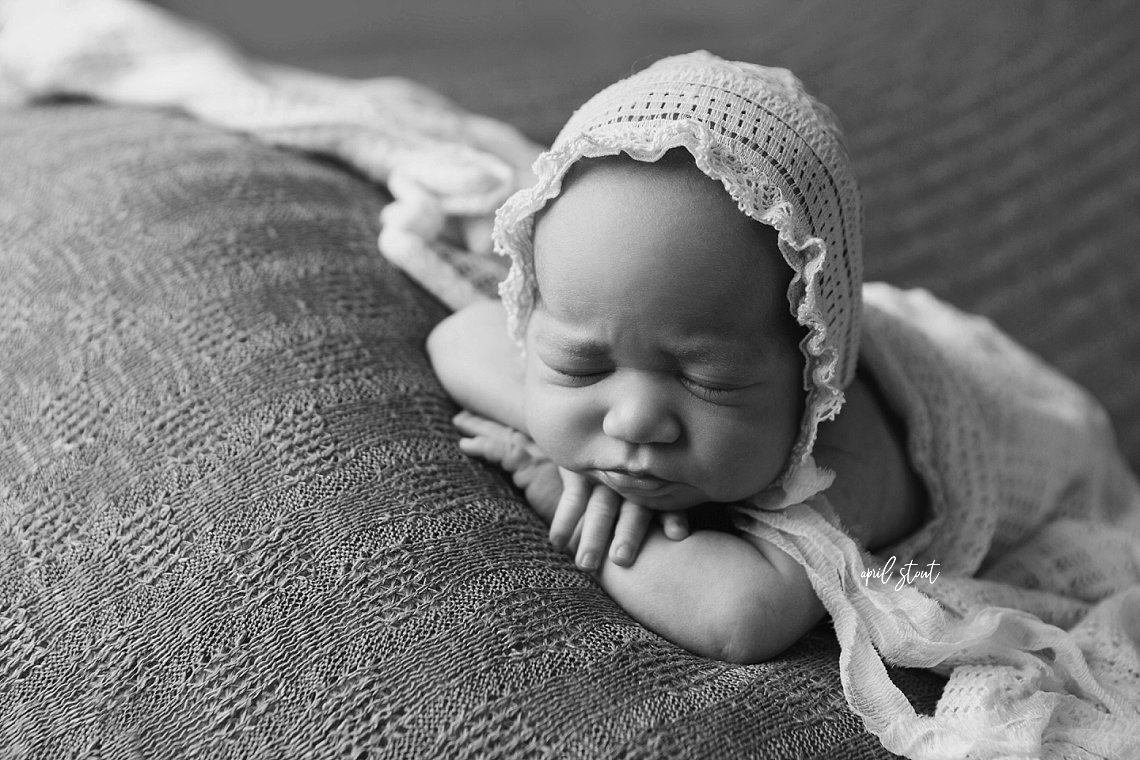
[779, 153]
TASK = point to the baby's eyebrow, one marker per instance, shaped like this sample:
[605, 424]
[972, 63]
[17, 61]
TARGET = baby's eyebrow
[578, 348]
[717, 353]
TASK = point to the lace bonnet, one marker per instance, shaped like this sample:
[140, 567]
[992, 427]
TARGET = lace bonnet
[778, 152]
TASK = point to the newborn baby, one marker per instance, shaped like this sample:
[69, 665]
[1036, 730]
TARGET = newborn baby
[675, 359]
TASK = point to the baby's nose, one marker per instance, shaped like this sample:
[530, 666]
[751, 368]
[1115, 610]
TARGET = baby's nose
[640, 413]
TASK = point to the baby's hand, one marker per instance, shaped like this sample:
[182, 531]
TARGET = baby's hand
[591, 515]
[530, 468]
[584, 516]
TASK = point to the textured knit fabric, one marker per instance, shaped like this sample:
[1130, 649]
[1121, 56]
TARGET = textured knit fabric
[778, 152]
[234, 521]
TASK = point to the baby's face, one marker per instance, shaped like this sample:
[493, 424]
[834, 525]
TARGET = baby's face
[662, 358]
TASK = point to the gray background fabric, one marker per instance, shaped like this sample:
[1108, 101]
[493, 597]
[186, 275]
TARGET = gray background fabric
[233, 520]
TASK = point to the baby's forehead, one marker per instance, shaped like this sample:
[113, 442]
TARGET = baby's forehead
[672, 188]
[663, 233]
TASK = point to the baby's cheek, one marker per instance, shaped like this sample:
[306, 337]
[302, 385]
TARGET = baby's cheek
[736, 461]
[557, 425]
[541, 419]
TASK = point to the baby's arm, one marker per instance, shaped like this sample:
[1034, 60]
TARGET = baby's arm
[478, 364]
[717, 594]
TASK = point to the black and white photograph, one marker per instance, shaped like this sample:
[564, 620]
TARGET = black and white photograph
[584, 380]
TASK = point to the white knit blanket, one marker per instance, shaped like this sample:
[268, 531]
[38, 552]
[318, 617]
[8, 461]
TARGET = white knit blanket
[448, 169]
[1030, 599]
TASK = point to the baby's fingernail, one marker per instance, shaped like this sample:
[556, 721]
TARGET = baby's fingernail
[588, 561]
[623, 555]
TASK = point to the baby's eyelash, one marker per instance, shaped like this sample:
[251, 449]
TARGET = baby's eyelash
[707, 392]
[577, 377]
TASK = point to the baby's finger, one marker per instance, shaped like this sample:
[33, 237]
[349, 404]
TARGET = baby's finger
[575, 537]
[571, 505]
[629, 533]
[510, 451]
[675, 524]
[473, 424]
[517, 450]
[495, 450]
[597, 527]
[475, 447]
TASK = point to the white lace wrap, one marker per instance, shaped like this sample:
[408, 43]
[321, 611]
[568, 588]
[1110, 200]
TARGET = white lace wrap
[444, 166]
[1036, 535]
[778, 152]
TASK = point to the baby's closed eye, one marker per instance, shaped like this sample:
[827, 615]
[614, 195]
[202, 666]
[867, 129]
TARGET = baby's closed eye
[575, 376]
[710, 390]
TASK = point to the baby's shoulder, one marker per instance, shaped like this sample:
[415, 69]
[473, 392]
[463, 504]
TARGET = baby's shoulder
[877, 494]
